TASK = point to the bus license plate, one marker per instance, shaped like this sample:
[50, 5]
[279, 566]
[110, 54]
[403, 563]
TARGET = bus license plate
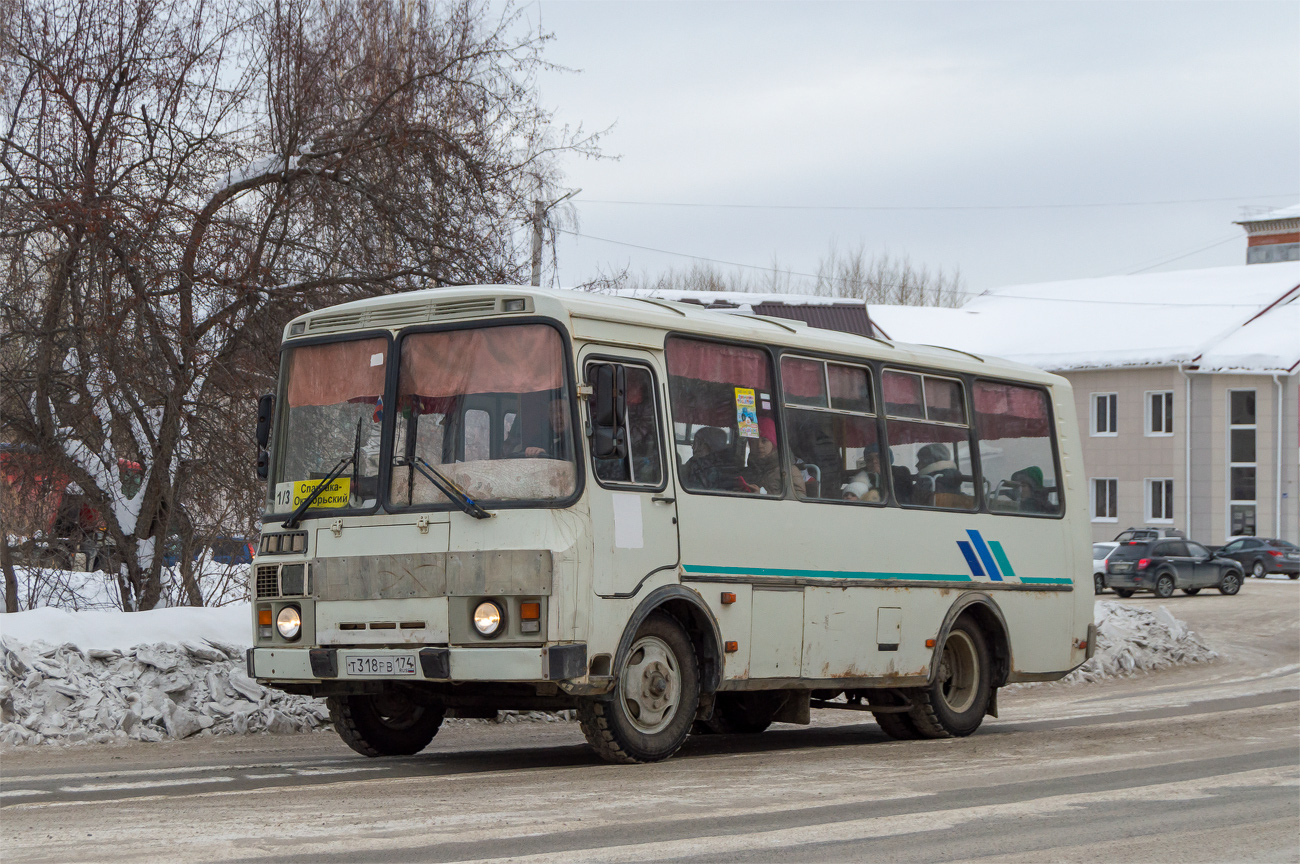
[389, 664]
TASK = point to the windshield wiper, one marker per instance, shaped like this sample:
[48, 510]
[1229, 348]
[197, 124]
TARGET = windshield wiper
[353, 460]
[448, 487]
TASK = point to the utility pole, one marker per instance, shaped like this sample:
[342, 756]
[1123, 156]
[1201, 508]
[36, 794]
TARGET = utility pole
[540, 209]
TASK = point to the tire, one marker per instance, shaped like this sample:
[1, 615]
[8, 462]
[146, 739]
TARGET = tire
[1257, 570]
[1294, 575]
[953, 705]
[1165, 586]
[1230, 583]
[1191, 592]
[744, 713]
[384, 725]
[1098, 583]
[898, 726]
[655, 697]
[1124, 592]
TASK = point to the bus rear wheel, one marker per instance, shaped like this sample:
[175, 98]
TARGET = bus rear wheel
[954, 704]
[655, 697]
[388, 724]
[896, 724]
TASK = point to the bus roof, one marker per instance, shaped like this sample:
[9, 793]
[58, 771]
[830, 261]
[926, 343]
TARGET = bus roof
[606, 318]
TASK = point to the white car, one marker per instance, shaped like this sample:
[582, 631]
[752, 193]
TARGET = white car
[1100, 552]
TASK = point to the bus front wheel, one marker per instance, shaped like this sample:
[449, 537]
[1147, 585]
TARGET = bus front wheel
[655, 697]
[954, 704]
[388, 724]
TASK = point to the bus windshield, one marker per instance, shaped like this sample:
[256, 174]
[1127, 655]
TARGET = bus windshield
[333, 412]
[488, 408]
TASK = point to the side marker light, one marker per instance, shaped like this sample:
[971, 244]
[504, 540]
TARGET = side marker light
[929, 643]
[728, 598]
[731, 647]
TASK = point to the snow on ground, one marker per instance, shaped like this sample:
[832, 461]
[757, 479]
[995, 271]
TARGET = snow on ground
[97, 676]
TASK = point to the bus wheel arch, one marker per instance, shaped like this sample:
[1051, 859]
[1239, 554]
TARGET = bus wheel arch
[984, 611]
[689, 610]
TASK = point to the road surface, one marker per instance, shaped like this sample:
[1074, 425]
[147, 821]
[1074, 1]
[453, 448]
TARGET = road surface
[1190, 764]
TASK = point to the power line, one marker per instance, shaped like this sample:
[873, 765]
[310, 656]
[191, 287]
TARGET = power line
[926, 208]
[965, 293]
[1182, 255]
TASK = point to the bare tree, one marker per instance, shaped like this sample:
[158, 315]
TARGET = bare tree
[177, 178]
[878, 279]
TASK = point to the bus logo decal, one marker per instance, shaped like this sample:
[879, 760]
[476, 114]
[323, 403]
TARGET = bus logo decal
[991, 555]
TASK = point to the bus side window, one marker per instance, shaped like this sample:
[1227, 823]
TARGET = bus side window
[723, 395]
[929, 441]
[832, 429]
[1017, 449]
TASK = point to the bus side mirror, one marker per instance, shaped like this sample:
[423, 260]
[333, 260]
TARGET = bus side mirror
[608, 407]
[265, 410]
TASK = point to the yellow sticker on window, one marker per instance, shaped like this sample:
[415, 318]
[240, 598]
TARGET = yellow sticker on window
[291, 495]
[746, 418]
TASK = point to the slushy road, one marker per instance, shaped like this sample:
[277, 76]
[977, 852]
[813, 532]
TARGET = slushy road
[1197, 763]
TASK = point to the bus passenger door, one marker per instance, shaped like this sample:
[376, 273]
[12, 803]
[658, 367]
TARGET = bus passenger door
[633, 511]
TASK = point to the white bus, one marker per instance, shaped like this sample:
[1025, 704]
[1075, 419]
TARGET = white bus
[668, 518]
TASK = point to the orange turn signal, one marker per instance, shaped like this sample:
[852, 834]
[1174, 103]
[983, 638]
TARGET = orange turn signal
[731, 647]
[929, 643]
[530, 611]
[728, 598]
[264, 617]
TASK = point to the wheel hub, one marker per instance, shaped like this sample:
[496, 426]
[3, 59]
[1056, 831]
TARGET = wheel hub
[651, 685]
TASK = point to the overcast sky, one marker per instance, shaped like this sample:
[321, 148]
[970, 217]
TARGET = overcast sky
[926, 105]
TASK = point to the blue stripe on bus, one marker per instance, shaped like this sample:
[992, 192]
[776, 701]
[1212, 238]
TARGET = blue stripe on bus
[987, 557]
[824, 574]
[971, 560]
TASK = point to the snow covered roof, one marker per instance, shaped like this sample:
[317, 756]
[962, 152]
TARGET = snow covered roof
[1239, 319]
[736, 298]
[1292, 212]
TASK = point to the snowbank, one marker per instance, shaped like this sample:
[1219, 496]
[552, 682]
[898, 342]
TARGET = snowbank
[1135, 639]
[69, 677]
[66, 695]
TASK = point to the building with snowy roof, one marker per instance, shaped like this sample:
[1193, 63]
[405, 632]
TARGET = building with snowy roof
[1187, 382]
[1273, 236]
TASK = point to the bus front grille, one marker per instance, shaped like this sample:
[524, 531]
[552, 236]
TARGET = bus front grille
[267, 582]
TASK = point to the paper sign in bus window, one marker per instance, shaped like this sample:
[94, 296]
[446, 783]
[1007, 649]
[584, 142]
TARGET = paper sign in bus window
[746, 419]
[294, 493]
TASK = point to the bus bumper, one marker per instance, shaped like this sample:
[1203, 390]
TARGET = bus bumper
[546, 663]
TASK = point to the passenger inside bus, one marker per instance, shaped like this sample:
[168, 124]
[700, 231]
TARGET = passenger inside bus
[712, 464]
[1033, 496]
[763, 473]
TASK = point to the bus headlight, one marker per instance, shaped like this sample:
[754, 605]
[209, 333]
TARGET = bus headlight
[289, 622]
[488, 618]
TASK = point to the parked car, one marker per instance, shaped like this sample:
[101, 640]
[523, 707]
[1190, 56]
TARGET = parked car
[1100, 552]
[1147, 534]
[1169, 563]
[1260, 556]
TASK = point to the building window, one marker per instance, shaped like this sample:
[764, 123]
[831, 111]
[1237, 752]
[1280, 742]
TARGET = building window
[1105, 494]
[1160, 412]
[1160, 500]
[1103, 411]
[1241, 462]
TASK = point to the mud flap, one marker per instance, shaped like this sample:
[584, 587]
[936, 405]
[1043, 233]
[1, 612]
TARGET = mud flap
[992, 709]
[797, 708]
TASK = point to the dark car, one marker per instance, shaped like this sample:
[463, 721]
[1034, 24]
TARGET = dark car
[1162, 565]
[1260, 556]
